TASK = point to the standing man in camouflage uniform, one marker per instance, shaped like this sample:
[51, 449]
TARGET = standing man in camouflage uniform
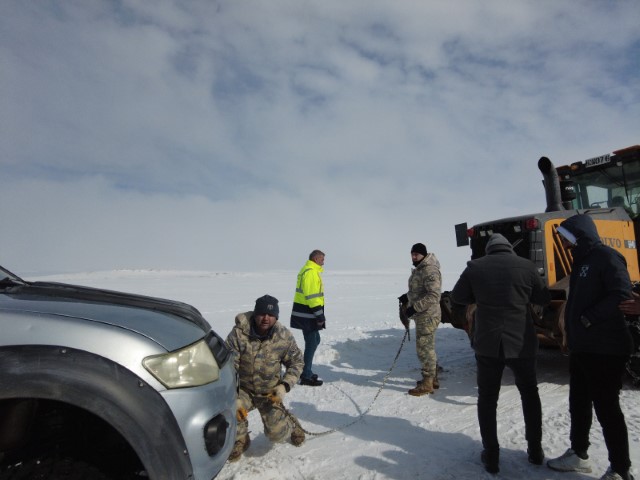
[261, 346]
[422, 303]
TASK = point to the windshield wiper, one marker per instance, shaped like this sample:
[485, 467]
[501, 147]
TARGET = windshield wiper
[11, 282]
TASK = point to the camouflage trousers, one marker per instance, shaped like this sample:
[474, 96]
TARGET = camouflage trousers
[275, 418]
[426, 344]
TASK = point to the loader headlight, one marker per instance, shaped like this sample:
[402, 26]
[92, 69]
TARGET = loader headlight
[191, 366]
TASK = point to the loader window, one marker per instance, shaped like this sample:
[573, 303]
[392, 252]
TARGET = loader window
[607, 186]
[592, 196]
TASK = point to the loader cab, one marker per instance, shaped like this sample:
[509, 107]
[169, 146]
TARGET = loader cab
[605, 187]
[607, 181]
[610, 183]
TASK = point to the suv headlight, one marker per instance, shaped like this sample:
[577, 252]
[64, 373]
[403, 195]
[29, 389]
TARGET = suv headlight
[191, 366]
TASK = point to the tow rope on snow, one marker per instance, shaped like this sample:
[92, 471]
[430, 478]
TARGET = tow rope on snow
[357, 419]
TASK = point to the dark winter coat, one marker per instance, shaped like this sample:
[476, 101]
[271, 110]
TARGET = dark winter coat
[502, 285]
[599, 282]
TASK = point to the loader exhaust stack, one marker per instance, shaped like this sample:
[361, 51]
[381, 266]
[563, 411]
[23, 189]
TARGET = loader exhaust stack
[551, 184]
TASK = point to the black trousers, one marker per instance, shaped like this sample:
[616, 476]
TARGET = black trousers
[595, 383]
[489, 376]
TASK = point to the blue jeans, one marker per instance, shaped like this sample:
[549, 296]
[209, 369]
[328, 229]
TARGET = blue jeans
[311, 342]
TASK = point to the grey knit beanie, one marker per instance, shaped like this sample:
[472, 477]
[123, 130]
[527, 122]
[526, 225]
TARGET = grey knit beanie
[495, 241]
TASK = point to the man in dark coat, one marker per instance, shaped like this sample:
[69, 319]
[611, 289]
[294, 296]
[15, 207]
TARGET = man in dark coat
[599, 344]
[502, 285]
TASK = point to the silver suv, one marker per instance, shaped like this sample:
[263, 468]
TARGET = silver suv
[106, 385]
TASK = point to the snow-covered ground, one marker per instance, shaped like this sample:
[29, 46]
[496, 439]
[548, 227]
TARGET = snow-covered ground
[399, 437]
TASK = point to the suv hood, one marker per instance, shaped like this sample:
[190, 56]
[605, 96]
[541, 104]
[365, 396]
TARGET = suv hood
[161, 320]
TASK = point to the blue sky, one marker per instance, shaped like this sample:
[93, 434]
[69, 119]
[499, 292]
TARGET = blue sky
[226, 135]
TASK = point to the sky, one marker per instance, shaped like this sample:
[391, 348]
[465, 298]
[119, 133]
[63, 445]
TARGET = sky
[226, 135]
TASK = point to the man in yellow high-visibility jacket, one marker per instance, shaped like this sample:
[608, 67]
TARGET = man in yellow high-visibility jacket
[308, 312]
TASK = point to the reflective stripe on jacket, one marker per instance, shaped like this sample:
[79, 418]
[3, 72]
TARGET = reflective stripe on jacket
[308, 301]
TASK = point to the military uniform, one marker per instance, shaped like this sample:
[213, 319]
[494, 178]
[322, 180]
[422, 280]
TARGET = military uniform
[425, 284]
[258, 361]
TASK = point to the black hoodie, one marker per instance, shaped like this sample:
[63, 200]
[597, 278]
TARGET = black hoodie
[599, 282]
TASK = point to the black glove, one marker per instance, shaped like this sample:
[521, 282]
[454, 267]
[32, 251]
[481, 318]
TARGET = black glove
[403, 316]
[403, 299]
[411, 312]
[320, 321]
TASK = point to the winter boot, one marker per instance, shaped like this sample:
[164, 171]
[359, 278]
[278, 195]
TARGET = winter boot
[424, 387]
[436, 382]
[313, 381]
[239, 448]
[490, 459]
[297, 435]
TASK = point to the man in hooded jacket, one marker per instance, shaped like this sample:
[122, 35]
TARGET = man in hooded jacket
[502, 285]
[599, 345]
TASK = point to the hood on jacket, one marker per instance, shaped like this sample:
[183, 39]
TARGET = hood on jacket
[584, 229]
[498, 243]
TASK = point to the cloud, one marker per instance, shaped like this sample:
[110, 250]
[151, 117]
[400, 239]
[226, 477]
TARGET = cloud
[355, 127]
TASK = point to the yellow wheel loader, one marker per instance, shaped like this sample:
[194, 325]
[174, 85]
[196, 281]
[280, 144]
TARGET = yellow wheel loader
[608, 189]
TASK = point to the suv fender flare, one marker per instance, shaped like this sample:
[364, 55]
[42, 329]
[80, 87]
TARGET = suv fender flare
[108, 390]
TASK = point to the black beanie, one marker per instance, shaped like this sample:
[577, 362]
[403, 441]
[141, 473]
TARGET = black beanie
[419, 248]
[267, 304]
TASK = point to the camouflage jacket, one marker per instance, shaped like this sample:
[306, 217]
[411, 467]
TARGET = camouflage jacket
[425, 284]
[259, 361]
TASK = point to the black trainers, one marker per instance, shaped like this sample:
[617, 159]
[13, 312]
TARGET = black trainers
[314, 381]
[490, 460]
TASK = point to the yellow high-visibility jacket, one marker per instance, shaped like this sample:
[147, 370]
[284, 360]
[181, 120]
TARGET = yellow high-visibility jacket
[308, 301]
